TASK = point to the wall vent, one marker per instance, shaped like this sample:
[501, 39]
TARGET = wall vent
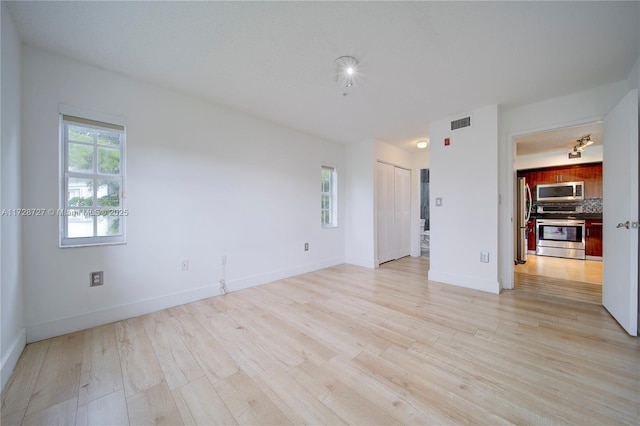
[460, 123]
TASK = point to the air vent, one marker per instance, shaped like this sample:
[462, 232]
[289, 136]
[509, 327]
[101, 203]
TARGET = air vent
[459, 124]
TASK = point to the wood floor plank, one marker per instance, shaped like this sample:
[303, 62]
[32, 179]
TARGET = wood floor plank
[63, 413]
[177, 363]
[346, 402]
[376, 391]
[214, 361]
[459, 382]
[247, 403]
[288, 332]
[294, 400]
[557, 287]
[154, 406]
[199, 404]
[542, 380]
[101, 373]
[21, 385]
[140, 367]
[344, 344]
[235, 339]
[108, 410]
[59, 377]
[270, 342]
[446, 404]
[13, 419]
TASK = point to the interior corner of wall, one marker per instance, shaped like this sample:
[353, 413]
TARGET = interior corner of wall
[10, 358]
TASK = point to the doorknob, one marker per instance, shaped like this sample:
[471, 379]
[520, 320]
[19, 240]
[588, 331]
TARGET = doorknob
[624, 225]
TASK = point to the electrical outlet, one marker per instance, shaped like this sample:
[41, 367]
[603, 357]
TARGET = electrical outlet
[484, 256]
[306, 246]
[185, 265]
[96, 278]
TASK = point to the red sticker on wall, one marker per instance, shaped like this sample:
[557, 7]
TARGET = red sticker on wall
[446, 142]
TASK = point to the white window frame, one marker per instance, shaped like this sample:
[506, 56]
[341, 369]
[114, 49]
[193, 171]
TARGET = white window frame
[332, 193]
[100, 121]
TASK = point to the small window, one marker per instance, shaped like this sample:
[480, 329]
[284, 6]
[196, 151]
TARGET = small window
[328, 201]
[91, 200]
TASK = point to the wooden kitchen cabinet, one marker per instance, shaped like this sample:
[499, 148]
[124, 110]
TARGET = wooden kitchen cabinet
[590, 173]
[531, 235]
[593, 238]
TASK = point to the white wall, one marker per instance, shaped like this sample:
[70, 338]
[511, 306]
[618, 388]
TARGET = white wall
[202, 182]
[634, 75]
[360, 237]
[593, 154]
[12, 300]
[421, 159]
[465, 175]
[578, 108]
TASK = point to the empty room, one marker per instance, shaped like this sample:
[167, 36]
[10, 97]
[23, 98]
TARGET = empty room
[221, 212]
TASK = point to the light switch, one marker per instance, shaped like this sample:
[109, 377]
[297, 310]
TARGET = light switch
[438, 201]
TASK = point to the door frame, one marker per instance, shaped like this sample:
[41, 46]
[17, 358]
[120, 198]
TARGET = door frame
[508, 232]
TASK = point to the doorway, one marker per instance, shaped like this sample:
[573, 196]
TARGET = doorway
[393, 212]
[425, 226]
[542, 159]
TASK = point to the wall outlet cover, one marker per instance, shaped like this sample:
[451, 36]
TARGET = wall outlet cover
[96, 278]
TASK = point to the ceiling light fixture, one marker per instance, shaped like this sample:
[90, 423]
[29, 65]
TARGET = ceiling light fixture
[346, 72]
[422, 144]
[583, 143]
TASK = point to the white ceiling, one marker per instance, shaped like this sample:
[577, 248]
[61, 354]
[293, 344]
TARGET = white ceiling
[559, 139]
[419, 61]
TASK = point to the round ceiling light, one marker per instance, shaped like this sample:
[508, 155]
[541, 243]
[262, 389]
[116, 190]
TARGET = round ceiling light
[346, 72]
[422, 144]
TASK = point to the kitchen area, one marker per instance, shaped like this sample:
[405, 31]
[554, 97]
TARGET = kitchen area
[559, 208]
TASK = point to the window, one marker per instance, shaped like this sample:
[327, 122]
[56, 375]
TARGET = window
[91, 199]
[328, 203]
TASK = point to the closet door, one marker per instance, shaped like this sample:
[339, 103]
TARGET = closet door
[385, 212]
[402, 212]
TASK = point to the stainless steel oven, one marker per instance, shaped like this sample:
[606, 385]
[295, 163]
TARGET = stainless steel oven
[560, 238]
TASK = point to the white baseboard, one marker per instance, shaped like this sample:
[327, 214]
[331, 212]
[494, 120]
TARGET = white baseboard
[467, 281]
[366, 263]
[87, 320]
[10, 358]
[255, 280]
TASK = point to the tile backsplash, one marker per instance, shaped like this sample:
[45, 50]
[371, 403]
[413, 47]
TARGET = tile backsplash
[589, 205]
[592, 205]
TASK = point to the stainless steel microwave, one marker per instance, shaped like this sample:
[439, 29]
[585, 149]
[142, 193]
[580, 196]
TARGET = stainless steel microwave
[564, 191]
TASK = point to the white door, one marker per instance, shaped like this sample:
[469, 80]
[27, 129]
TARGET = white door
[620, 213]
[402, 196]
[385, 212]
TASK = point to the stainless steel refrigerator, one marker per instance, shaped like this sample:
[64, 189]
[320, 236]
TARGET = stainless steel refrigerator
[522, 217]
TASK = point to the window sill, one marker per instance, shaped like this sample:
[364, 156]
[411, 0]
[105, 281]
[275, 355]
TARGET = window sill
[329, 226]
[109, 243]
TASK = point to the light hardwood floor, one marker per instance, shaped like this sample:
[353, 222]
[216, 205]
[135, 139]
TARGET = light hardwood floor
[344, 345]
[579, 280]
[589, 271]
